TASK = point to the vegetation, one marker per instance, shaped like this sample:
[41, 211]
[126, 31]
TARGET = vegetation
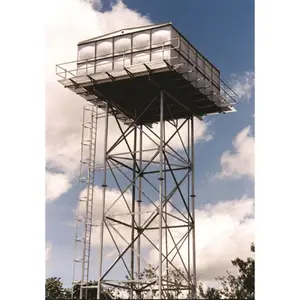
[54, 289]
[234, 287]
[237, 287]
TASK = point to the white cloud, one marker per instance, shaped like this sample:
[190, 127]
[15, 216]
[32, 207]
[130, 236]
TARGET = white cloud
[226, 230]
[56, 185]
[239, 162]
[67, 23]
[243, 85]
[48, 251]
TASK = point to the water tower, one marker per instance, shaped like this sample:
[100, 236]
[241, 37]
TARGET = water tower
[154, 85]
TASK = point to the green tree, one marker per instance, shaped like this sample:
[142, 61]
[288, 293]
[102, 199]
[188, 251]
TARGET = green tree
[240, 286]
[54, 289]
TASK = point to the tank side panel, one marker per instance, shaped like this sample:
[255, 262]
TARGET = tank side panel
[104, 48]
[161, 43]
[175, 42]
[86, 51]
[141, 41]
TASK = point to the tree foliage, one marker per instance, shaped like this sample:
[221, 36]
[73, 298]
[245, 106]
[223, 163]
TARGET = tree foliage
[237, 287]
[54, 289]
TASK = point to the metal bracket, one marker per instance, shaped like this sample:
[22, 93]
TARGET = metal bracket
[110, 76]
[76, 85]
[129, 73]
[91, 79]
[148, 69]
[171, 68]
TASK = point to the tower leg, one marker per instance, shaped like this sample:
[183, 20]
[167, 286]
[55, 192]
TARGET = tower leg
[194, 287]
[104, 185]
[161, 192]
[139, 207]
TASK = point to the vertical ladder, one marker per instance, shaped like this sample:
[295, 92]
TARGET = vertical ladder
[86, 177]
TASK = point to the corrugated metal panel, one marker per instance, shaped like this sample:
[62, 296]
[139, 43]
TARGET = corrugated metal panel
[124, 31]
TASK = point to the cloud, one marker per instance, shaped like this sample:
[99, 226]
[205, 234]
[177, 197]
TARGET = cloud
[56, 185]
[226, 230]
[67, 23]
[48, 251]
[239, 162]
[243, 85]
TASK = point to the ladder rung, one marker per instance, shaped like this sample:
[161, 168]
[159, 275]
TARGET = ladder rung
[86, 181]
[89, 286]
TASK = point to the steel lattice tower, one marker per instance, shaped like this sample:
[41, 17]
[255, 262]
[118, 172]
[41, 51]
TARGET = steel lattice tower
[150, 164]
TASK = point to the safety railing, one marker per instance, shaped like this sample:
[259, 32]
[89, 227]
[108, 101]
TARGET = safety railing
[194, 58]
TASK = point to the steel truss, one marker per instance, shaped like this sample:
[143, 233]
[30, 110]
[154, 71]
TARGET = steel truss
[156, 186]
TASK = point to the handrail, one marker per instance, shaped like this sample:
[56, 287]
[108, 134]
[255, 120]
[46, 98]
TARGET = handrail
[77, 69]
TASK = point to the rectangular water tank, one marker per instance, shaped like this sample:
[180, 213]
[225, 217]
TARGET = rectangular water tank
[154, 43]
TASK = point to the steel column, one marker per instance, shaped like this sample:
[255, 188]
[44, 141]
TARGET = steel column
[161, 192]
[193, 210]
[104, 186]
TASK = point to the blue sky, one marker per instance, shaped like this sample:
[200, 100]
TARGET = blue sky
[224, 32]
